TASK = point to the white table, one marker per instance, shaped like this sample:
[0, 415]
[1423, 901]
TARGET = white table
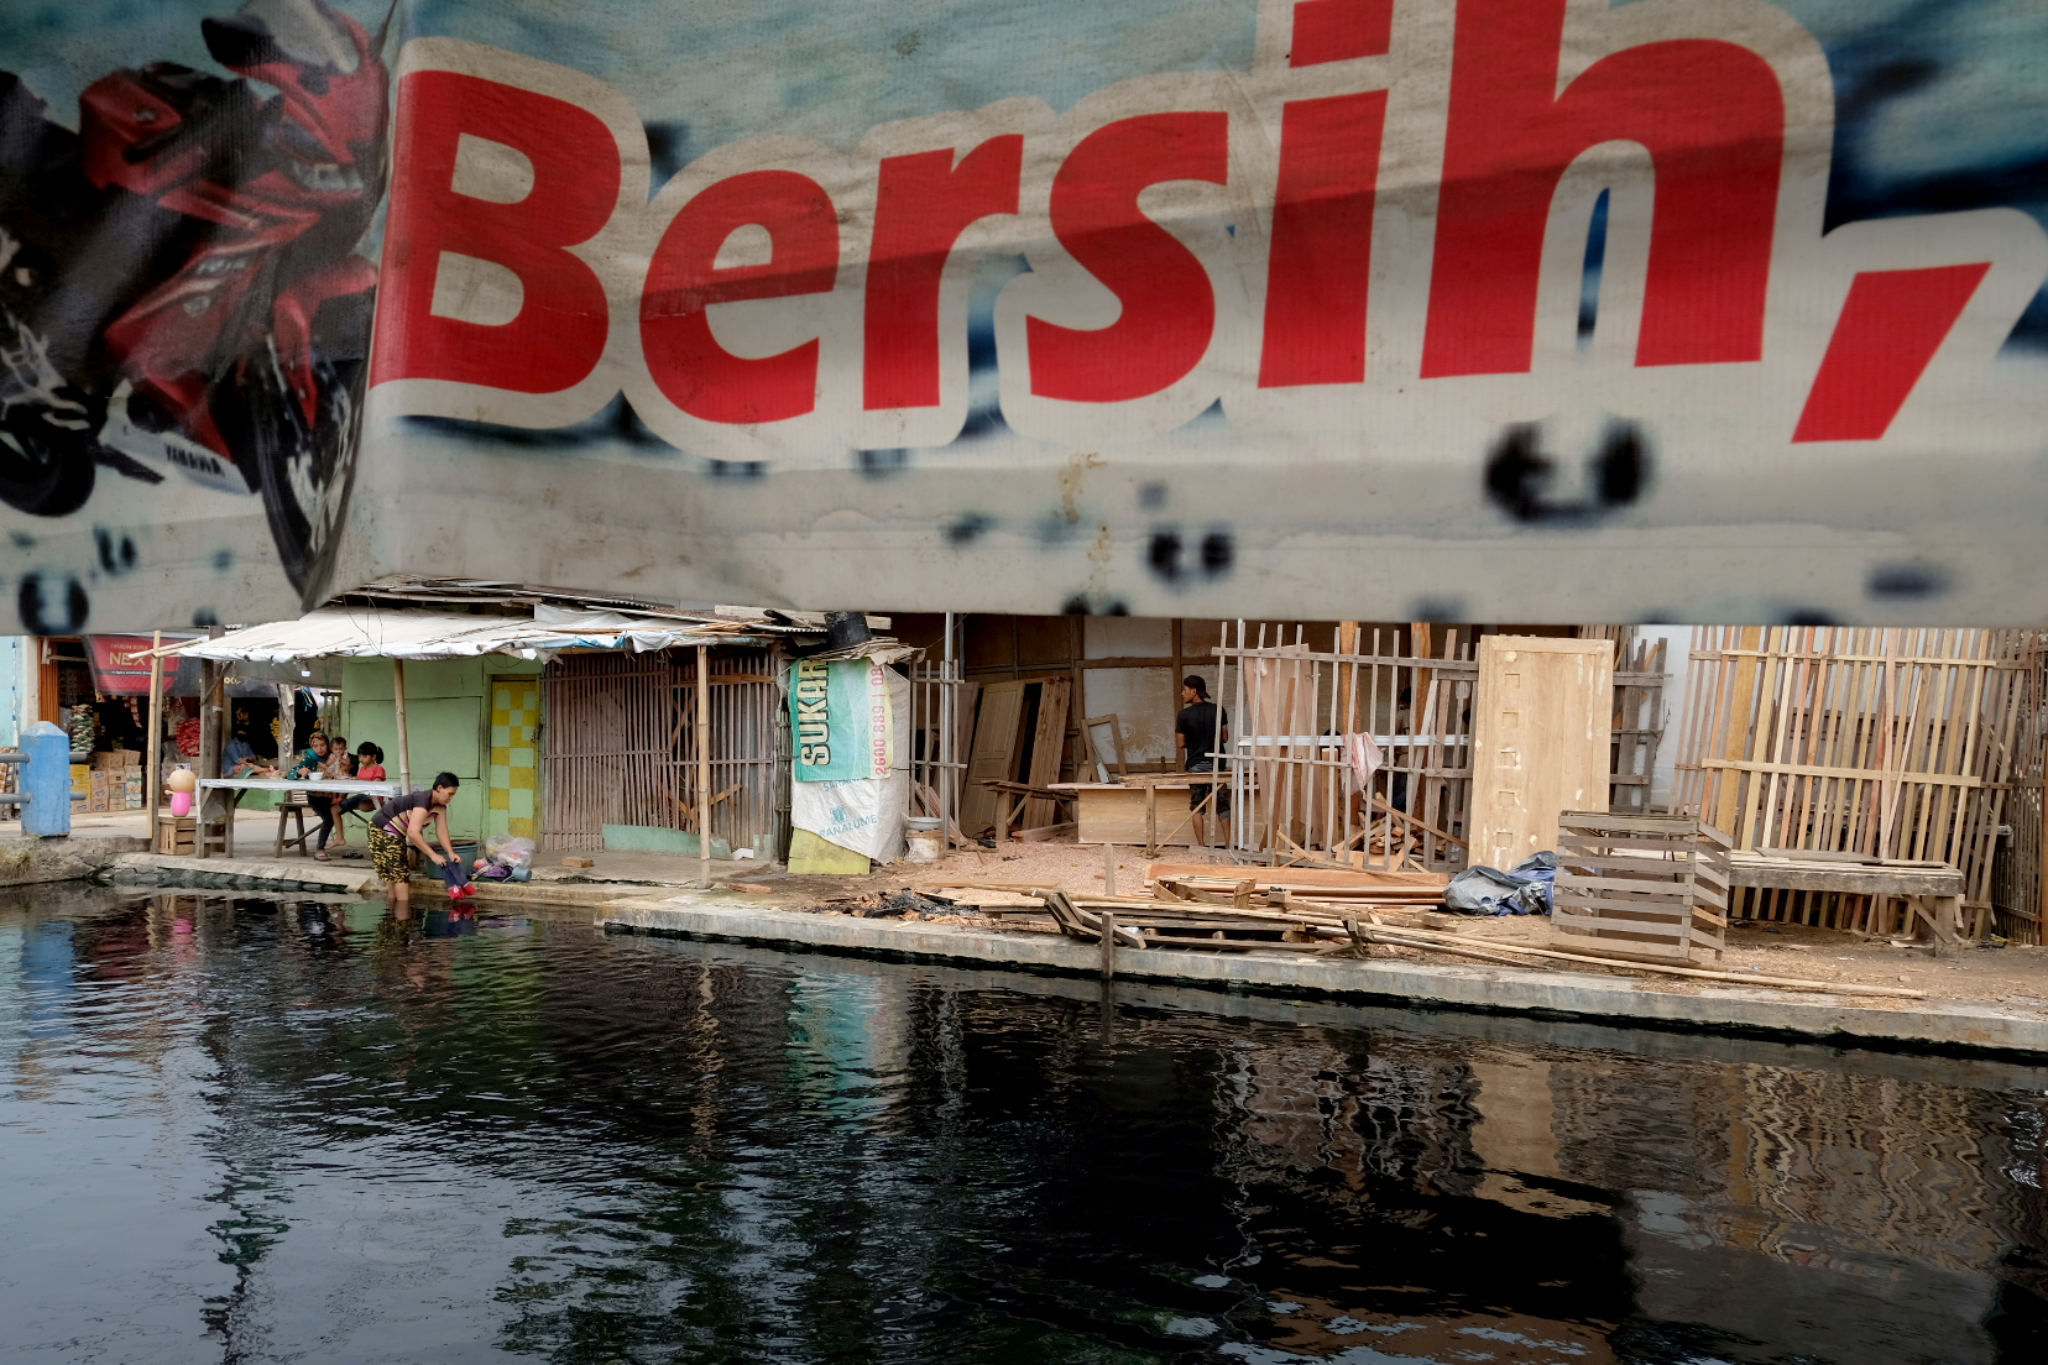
[236, 786]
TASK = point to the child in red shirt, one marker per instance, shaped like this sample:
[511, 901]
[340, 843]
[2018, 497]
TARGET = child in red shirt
[369, 768]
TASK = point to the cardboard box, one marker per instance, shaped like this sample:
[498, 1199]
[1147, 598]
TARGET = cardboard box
[81, 774]
[117, 759]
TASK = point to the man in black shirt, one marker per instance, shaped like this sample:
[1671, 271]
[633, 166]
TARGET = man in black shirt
[1200, 733]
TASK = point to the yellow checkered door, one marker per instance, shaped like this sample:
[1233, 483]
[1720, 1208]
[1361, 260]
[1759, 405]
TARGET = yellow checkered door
[515, 758]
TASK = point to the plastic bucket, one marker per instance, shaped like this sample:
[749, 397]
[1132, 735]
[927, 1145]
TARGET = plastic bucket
[926, 844]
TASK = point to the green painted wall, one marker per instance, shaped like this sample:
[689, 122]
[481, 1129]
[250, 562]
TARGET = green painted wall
[447, 714]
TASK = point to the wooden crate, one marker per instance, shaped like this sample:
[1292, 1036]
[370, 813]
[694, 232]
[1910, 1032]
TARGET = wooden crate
[177, 835]
[1641, 886]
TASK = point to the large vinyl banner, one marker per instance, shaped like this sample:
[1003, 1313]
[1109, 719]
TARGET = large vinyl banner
[185, 303]
[1479, 309]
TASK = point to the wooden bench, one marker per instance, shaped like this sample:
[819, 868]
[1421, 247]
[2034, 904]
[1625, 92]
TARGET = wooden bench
[1930, 892]
[293, 807]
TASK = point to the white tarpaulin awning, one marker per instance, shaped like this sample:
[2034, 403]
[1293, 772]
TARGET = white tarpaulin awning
[340, 632]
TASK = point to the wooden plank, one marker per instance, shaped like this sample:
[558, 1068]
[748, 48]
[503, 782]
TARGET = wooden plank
[1318, 880]
[1864, 881]
[1588, 919]
[1602, 904]
[1048, 745]
[1642, 930]
[1673, 827]
[1701, 869]
[1618, 845]
[993, 755]
[1680, 892]
[1735, 702]
[1540, 722]
[1967, 780]
[1574, 921]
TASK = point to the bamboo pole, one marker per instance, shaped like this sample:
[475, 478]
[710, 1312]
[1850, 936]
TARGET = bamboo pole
[703, 765]
[155, 766]
[398, 709]
[1424, 938]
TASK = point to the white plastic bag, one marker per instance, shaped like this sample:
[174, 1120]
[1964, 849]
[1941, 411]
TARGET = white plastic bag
[509, 849]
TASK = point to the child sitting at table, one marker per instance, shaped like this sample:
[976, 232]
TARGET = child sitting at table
[369, 767]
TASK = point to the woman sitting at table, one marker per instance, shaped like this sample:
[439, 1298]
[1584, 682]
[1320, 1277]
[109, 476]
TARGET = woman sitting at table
[330, 805]
[311, 761]
[321, 762]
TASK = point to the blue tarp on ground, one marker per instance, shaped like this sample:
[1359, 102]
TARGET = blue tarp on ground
[1489, 891]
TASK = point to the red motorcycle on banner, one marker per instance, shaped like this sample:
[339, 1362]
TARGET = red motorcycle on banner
[179, 286]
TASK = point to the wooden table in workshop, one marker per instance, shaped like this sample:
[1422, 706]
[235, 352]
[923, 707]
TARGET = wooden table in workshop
[1933, 891]
[1011, 795]
[236, 787]
[1108, 812]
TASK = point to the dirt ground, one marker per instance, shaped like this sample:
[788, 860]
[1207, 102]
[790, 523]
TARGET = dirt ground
[2013, 978]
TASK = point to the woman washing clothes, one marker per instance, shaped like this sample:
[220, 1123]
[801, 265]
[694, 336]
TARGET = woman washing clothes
[400, 825]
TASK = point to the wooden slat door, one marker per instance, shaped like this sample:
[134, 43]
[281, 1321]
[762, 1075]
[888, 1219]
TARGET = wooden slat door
[1048, 748]
[994, 754]
[1540, 736]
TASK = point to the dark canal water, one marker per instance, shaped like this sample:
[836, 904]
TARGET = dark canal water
[248, 1132]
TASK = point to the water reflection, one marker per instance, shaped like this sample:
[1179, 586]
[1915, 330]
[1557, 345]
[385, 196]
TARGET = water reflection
[257, 1131]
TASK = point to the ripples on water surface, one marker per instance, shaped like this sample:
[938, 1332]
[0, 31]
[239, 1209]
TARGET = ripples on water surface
[257, 1132]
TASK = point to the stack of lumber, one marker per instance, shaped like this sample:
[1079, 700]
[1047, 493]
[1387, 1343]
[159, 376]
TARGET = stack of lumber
[1641, 886]
[1321, 887]
[1136, 922]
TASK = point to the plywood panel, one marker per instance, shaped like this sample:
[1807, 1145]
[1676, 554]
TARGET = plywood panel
[1540, 730]
[1048, 747]
[1116, 815]
[996, 732]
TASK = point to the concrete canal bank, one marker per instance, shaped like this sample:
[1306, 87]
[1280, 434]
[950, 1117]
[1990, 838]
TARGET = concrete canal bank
[32, 862]
[1773, 1012]
[788, 917]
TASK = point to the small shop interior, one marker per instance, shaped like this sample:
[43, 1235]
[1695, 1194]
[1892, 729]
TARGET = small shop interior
[107, 717]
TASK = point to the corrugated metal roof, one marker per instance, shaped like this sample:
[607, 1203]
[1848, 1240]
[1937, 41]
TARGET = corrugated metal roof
[370, 633]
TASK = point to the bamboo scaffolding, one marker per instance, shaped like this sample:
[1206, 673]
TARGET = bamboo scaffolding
[1905, 744]
[1293, 704]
